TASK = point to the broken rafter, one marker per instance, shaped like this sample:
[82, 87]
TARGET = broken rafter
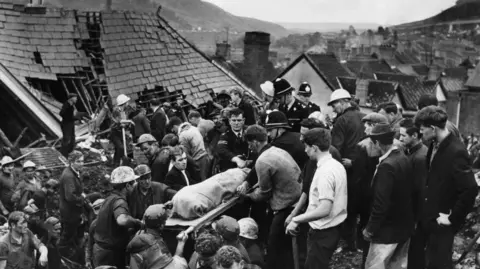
[71, 77]
[79, 95]
[20, 136]
[88, 107]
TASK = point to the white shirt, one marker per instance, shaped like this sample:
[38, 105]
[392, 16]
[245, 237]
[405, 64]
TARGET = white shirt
[329, 183]
[186, 178]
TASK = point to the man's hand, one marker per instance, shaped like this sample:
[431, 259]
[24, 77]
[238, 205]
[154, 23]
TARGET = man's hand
[288, 220]
[182, 237]
[5, 212]
[292, 228]
[443, 220]
[240, 163]
[367, 236]
[242, 189]
[43, 259]
[347, 162]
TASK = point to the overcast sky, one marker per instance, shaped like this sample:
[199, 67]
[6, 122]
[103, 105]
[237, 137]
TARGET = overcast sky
[359, 11]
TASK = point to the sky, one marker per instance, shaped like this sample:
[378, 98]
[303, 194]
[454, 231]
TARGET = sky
[384, 12]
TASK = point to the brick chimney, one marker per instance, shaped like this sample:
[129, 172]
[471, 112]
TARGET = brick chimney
[255, 58]
[223, 50]
[435, 72]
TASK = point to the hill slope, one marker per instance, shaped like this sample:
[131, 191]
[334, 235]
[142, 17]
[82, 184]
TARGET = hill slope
[183, 14]
[462, 11]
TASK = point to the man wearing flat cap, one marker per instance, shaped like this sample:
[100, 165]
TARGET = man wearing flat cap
[391, 220]
[69, 116]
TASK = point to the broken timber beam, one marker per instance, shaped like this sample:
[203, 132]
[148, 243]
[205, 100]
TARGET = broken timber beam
[20, 136]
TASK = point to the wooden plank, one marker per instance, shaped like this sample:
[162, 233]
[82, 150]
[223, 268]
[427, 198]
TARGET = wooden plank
[86, 96]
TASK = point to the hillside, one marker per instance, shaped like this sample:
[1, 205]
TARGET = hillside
[463, 10]
[326, 27]
[183, 14]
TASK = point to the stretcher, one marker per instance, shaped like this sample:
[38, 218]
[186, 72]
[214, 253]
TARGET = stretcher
[195, 224]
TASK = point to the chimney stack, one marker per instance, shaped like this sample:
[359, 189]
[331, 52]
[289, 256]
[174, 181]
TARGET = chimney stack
[108, 5]
[223, 50]
[255, 58]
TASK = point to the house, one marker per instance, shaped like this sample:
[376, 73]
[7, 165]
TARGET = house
[369, 92]
[366, 68]
[411, 88]
[48, 53]
[321, 71]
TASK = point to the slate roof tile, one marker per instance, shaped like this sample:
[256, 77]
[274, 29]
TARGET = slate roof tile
[348, 84]
[329, 65]
[366, 69]
[411, 88]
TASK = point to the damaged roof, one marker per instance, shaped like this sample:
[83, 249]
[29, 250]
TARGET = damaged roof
[127, 50]
[410, 88]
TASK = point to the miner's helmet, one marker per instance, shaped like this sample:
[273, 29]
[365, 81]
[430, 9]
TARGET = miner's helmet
[145, 138]
[305, 89]
[122, 174]
[223, 94]
[29, 165]
[281, 87]
[276, 119]
[339, 94]
[142, 170]
[122, 99]
[6, 160]
[155, 216]
[248, 228]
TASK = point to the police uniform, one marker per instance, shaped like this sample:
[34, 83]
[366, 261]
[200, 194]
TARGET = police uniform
[230, 145]
[306, 90]
[297, 112]
[311, 107]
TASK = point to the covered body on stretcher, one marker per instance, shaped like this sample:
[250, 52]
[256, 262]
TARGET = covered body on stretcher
[195, 205]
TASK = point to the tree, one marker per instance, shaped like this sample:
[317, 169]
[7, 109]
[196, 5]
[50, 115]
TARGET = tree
[380, 30]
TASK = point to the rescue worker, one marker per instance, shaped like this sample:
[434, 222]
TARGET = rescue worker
[303, 94]
[159, 158]
[293, 108]
[117, 130]
[146, 193]
[25, 189]
[123, 105]
[7, 185]
[223, 99]
[17, 246]
[347, 131]
[229, 229]
[72, 213]
[69, 116]
[97, 204]
[280, 184]
[159, 120]
[232, 149]
[248, 237]
[114, 220]
[148, 250]
[269, 101]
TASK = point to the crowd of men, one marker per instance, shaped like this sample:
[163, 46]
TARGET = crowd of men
[396, 189]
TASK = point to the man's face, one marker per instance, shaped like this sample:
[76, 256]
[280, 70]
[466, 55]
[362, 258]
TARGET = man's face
[428, 132]
[181, 162]
[194, 121]
[368, 127]
[337, 107]
[237, 122]
[21, 226]
[235, 265]
[389, 116]
[406, 139]
[311, 152]
[235, 98]
[272, 133]
[8, 168]
[30, 173]
[145, 182]
[175, 129]
[216, 118]
[73, 100]
[149, 150]
[78, 164]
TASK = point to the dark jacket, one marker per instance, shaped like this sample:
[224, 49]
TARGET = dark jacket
[230, 145]
[312, 107]
[451, 185]
[418, 157]
[161, 162]
[248, 112]
[295, 114]
[347, 131]
[158, 193]
[148, 250]
[70, 196]
[176, 180]
[142, 125]
[158, 124]
[391, 220]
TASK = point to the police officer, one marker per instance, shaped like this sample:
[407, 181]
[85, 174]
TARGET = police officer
[114, 219]
[232, 148]
[303, 95]
[293, 108]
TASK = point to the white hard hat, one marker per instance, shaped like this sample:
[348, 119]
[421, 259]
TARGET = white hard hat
[6, 160]
[339, 94]
[248, 228]
[122, 99]
[29, 164]
[267, 88]
[122, 174]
